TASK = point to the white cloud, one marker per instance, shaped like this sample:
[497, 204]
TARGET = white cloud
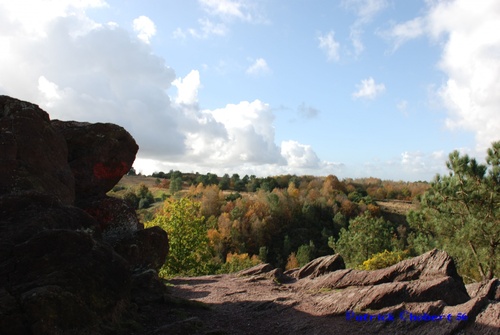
[187, 88]
[222, 13]
[33, 17]
[299, 155]
[471, 61]
[77, 75]
[48, 89]
[206, 29]
[402, 32]
[249, 135]
[368, 89]
[227, 9]
[328, 44]
[365, 11]
[402, 106]
[423, 164]
[259, 67]
[145, 28]
[471, 45]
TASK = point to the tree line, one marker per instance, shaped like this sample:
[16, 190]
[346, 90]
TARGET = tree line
[289, 220]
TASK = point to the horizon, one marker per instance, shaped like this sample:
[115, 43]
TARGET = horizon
[352, 88]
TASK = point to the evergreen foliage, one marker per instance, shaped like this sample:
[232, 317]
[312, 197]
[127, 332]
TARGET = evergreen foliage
[461, 214]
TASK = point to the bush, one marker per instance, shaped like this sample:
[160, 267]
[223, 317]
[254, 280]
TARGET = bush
[237, 262]
[384, 259]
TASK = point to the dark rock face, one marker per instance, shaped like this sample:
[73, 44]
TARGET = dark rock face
[117, 220]
[145, 249]
[99, 155]
[33, 155]
[59, 270]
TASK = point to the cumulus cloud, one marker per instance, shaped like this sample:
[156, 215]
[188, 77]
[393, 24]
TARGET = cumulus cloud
[469, 59]
[259, 67]
[328, 44]
[95, 72]
[299, 155]
[187, 88]
[145, 28]
[418, 163]
[368, 89]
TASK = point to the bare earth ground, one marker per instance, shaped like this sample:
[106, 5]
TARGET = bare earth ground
[244, 305]
[229, 304]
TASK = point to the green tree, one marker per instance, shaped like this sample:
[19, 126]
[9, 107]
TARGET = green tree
[460, 213]
[144, 196]
[187, 235]
[175, 185]
[305, 253]
[224, 182]
[366, 236]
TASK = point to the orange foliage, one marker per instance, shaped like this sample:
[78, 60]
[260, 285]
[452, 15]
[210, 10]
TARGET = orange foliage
[292, 262]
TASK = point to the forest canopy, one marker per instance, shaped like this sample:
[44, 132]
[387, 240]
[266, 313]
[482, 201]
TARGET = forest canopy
[235, 222]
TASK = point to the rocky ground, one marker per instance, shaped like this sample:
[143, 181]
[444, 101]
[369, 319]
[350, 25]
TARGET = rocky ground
[418, 296]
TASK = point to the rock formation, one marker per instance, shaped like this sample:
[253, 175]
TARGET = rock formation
[72, 260]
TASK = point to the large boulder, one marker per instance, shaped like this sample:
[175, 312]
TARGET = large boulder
[99, 155]
[59, 272]
[60, 281]
[320, 266]
[145, 249]
[33, 155]
[117, 220]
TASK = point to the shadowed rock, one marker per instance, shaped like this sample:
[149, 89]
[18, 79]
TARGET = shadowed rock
[117, 220]
[99, 154]
[145, 249]
[33, 156]
[59, 273]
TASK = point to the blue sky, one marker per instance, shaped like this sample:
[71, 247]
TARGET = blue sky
[354, 88]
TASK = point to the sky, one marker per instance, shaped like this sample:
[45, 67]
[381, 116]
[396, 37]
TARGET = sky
[353, 88]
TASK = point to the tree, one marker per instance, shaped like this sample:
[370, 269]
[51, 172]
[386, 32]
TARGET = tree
[132, 172]
[175, 185]
[305, 253]
[187, 236]
[224, 182]
[460, 213]
[366, 236]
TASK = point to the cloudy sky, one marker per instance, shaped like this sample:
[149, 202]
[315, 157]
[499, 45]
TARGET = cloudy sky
[355, 88]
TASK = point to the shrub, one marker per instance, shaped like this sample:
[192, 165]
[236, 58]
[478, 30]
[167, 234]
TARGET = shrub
[384, 259]
[237, 262]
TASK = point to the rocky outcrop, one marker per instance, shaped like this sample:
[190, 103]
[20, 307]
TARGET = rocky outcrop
[321, 266]
[99, 154]
[33, 155]
[72, 260]
[116, 219]
[431, 277]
